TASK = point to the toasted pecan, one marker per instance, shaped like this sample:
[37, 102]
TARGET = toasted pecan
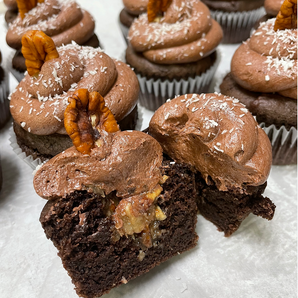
[287, 16]
[26, 5]
[156, 7]
[86, 113]
[37, 48]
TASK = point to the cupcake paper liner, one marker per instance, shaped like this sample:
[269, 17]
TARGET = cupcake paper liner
[237, 25]
[33, 163]
[124, 30]
[4, 102]
[284, 144]
[155, 93]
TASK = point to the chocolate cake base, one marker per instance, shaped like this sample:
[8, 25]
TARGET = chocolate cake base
[47, 146]
[227, 209]
[95, 258]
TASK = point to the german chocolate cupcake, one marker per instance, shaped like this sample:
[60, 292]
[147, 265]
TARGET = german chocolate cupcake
[116, 209]
[174, 52]
[236, 17]
[64, 21]
[39, 101]
[264, 77]
[230, 154]
[4, 93]
[132, 9]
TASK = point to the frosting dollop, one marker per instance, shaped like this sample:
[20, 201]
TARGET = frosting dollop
[267, 62]
[63, 21]
[38, 103]
[272, 7]
[186, 33]
[127, 162]
[217, 136]
[135, 7]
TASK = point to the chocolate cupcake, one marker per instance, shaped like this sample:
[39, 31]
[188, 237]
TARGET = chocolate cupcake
[230, 154]
[236, 17]
[64, 21]
[39, 101]
[272, 8]
[175, 53]
[117, 210]
[132, 9]
[4, 93]
[264, 77]
[12, 11]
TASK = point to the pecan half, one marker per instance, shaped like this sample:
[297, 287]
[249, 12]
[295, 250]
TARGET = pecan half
[26, 5]
[37, 48]
[156, 7]
[287, 16]
[85, 114]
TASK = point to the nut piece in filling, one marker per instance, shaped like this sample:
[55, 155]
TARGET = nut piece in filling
[116, 208]
[230, 153]
[39, 101]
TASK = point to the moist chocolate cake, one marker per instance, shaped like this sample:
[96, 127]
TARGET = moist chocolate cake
[86, 237]
[97, 249]
[229, 152]
[116, 207]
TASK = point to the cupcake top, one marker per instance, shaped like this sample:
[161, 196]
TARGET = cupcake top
[127, 162]
[217, 136]
[267, 62]
[185, 33]
[135, 7]
[272, 7]
[63, 20]
[233, 5]
[38, 102]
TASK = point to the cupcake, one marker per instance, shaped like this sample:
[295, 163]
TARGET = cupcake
[4, 93]
[132, 9]
[38, 103]
[12, 11]
[272, 8]
[236, 18]
[229, 153]
[264, 77]
[174, 52]
[64, 21]
[117, 210]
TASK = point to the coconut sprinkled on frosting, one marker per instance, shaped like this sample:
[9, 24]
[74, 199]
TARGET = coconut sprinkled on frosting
[43, 99]
[217, 135]
[267, 62]
[186, 33]
[64, 21]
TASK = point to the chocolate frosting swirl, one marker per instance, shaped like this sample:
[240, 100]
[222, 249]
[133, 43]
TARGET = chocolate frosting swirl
[38, 103]
[267, 62]
[272, 7]
[63, 21]
[186, 33]
[217, 136]
[135, 7]
[11, 4]
[127, 162]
